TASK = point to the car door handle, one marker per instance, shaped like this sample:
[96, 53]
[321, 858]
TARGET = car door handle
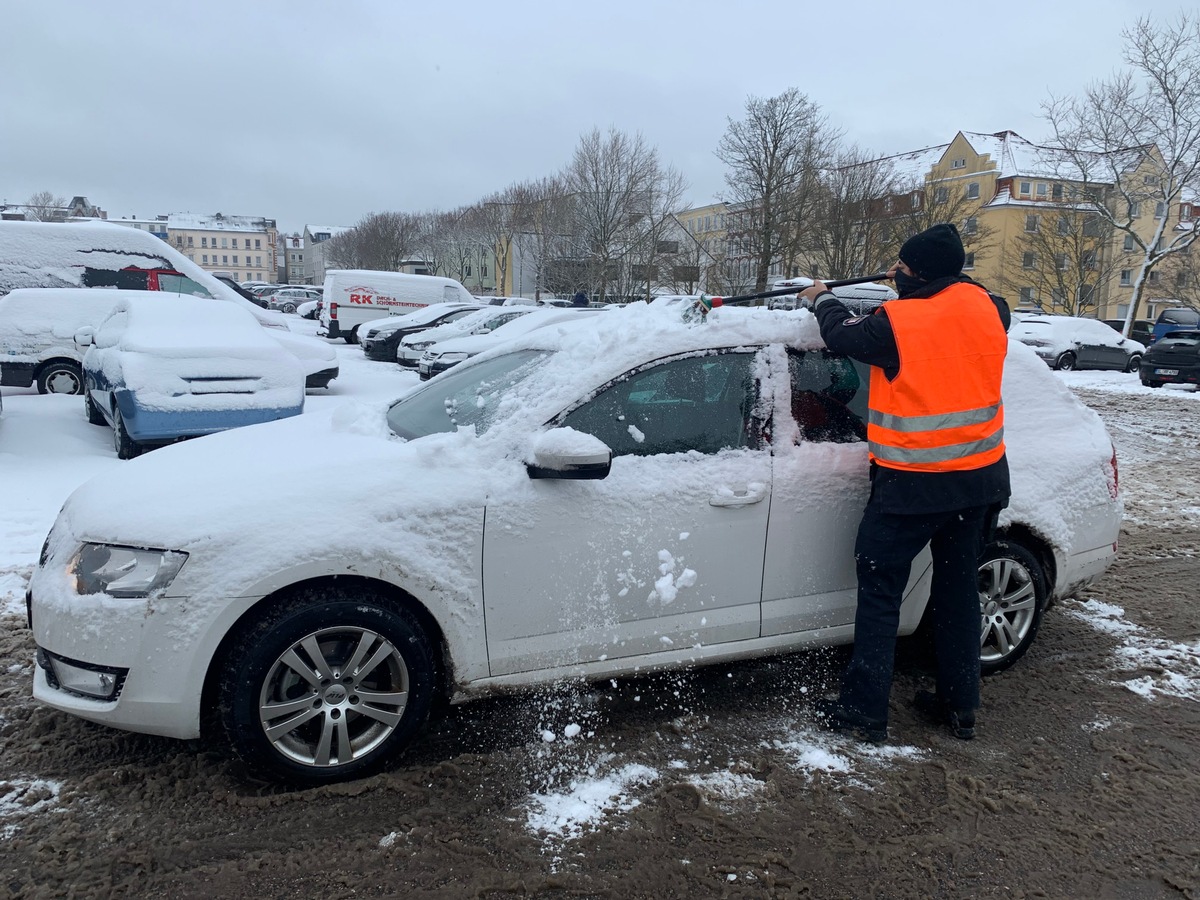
[742, 496]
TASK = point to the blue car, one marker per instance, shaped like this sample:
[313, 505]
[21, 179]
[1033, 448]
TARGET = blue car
[159, 372]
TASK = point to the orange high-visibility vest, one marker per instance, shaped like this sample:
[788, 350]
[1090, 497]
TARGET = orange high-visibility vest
[943, 412]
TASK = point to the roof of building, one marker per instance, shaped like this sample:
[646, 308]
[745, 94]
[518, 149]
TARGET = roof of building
[218, 222]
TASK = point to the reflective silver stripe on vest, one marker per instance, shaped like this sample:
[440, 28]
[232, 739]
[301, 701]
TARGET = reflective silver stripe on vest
[888, 453]
[936, 422]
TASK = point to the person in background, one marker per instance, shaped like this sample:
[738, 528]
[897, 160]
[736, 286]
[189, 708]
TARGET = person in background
[580, 299]
[939, 474]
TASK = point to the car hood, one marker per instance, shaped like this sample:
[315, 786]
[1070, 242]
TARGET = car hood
[313, 355]
[241, 516]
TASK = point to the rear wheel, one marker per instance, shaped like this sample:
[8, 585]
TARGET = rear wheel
[289, 307]
[127, 447]
[328, 687]
[1152, 384]
[60, 378]
[1012, 599]
[352, 336]
[1066, 362]
[1135, 363]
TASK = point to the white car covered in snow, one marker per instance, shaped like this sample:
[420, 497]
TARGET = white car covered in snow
[1077, 342]
[157, 372]
[626, 494]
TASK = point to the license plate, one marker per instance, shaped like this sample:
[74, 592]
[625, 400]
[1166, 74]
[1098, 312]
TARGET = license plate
[1166, 371]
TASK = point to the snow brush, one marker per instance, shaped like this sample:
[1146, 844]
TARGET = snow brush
[705, 304]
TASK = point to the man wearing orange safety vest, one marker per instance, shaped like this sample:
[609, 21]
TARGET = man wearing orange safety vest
[939, 475]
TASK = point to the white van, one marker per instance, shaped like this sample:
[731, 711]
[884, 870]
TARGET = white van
[355, 296]
[98, 254]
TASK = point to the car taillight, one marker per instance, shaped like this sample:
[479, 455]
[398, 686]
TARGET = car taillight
[333, 310]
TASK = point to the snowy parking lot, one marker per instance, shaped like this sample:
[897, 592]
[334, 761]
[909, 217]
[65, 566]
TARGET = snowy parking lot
[712, 783]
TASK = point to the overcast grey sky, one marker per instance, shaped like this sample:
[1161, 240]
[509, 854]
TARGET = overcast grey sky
[320, 113]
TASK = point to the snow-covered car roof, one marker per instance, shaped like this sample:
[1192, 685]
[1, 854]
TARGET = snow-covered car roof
[470, 322]
[522, 325]
[187, 327]
[1061, 332]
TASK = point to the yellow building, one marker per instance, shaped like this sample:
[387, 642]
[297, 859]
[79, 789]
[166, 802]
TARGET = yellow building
[244, 247]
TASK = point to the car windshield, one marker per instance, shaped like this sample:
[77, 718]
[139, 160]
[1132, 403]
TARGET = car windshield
[463, 396]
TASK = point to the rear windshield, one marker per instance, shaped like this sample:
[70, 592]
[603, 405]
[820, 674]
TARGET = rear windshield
[1179, 317]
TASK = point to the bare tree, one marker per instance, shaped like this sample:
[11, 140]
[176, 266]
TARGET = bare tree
[1065, 256]
[45, 207]
[621, 194]
[545, 228]
[383, 241]
[847, 232]
[774, 155]
[1133, 142]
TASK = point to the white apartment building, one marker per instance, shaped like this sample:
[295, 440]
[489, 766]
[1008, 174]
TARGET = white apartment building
[244, 247]
[314, 253]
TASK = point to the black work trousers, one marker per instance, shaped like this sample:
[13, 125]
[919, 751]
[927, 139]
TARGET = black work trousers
[886, 546]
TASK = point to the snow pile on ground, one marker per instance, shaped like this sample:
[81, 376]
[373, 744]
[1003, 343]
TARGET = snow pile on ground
[1170, 669]
[22, 797]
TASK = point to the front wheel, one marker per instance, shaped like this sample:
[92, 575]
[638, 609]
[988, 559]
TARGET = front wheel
[1066, 362]
[289, 307]
[94, 416]
[127, 447]
[60, 378]
[352, 335]
[1135, 363]
[1012, 599]
[328, 687]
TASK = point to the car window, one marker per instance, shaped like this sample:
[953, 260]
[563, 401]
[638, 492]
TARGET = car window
[181, 284]
[1179, 317]
[463, 396]
[701, 403]
[829, 397]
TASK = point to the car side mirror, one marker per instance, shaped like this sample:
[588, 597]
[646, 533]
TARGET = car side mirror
[85, 336]
[569, 454]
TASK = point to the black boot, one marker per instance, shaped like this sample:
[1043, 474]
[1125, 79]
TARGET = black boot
[832, 716]
[959, 722]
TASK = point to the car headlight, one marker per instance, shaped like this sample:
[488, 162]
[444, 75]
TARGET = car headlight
[123, 571]
[453, 357]
[420, 345]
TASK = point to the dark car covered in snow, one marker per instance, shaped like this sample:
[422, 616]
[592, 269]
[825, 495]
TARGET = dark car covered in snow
[1173, 359]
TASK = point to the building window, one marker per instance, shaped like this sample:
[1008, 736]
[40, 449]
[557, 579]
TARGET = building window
[916, 201]
[941, 195]
[1160, 209]
[969, 262]
[1064, 225]
[1041, 191]
[467, 270]
[1027, 295]
[235, 247]
[483, 270]
[1126, 277]
[204, 259]
[1057, 192]
[1135, 209]
[1031, 223]
[973, 190]
[258, 260]
[179, 241]
[971, 225]
[1129, 243]
[1060, 261]
[257, 244]
[958, 164]
[190, 240]
[1024, 188]
[1028, 261]
[1181, 279]
[224, 260]
[203, 242]
[235, 262]
[1152, 278]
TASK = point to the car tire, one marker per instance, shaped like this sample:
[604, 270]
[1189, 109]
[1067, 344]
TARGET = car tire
[1153, 384]
[352, 335]
[289, 709]
[60, 378]
[289, 307]
[1012, 600]
[1066, 362]
[94, 416]
[1135, 363]
[127, 447]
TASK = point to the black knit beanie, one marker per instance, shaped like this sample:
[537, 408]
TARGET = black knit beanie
[935, 252]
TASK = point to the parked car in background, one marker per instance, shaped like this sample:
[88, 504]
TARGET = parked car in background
[468, 559]
[449, 353]
[354, 296]
[157, 372]
[1175, 319]
[288, 299]
[37, 336]
[1074, 342]
[381, 338]
[101, 255]
[481, 321]
[1141, 331]
[309, 309]
[1172, 359]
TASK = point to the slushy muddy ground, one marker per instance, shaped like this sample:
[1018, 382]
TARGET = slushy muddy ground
[1084, 780]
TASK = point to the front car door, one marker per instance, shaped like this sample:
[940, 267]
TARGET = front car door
[665, 553]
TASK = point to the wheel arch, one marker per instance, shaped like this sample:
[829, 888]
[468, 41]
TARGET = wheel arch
[394, 595]
[1042, 550]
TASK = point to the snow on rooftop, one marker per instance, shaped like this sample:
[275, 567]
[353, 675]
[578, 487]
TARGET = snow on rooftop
[218, 222]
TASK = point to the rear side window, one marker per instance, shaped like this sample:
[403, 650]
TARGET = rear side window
[829, 397]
